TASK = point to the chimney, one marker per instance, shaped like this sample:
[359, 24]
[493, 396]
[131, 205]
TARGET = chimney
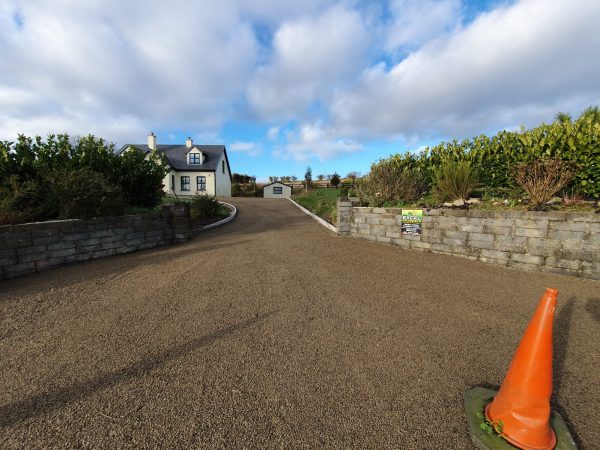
[152, 141]
[189, 143]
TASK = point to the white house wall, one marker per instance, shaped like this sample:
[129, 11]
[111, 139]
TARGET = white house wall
[223, 179]
[210, 183]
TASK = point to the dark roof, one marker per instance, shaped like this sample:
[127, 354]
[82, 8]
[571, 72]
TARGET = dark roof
[278, 182]
[177, 155]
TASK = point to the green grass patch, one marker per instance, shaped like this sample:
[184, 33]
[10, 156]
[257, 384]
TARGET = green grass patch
[321, 202]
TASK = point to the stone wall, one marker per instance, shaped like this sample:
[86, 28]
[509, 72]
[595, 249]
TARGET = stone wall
[558, 242]
[35, 247]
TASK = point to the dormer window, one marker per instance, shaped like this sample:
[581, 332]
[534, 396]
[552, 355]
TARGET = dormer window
[194, 158]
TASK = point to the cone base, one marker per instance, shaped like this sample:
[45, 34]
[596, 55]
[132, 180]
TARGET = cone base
[518, 444]
[478, 398]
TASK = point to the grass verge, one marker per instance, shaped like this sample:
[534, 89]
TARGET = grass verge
[321, 202]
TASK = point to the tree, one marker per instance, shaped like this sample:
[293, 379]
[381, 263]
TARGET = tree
[353, 176]
[273, 179]
[335, 180]
[241, 178]
[308, 177]
[294, 178]
[563, 117]
[320, 177]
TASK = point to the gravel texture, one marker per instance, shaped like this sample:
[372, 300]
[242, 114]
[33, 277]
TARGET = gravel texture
[273, 332]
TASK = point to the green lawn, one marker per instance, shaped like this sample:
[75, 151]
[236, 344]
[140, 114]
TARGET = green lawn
[320, 201]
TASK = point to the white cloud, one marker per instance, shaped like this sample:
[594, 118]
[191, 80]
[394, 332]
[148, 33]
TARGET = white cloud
[273, 133]
[277, 10]
[414, 23]
[250, 148]
[312, 56]
[183, 66]
[121, 69]
[316, 139]
[516, 64]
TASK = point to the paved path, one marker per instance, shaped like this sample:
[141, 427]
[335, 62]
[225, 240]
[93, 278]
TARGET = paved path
[273, 332]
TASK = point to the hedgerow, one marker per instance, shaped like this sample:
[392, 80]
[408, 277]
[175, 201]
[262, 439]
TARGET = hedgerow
[66, 178]
[494, 158]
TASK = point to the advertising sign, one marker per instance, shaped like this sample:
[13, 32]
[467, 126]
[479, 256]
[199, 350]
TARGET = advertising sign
[412, 222]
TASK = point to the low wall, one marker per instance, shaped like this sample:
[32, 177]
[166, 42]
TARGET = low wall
[35, 247]
[558, 242]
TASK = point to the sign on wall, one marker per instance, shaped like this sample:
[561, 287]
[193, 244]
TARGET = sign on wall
[412, 222]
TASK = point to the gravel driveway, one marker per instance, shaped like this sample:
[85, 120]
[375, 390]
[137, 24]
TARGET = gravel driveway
[273, 332]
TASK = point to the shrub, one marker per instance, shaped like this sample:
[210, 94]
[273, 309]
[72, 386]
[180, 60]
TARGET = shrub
[81, 193]
[60, 177]
[455, 180]
[576, 141]
[207, 207]
[335, 180]
[17, 201]
[542, 179]
[389, 184]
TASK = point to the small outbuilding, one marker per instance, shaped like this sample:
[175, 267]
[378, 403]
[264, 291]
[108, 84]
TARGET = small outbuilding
[277, 190]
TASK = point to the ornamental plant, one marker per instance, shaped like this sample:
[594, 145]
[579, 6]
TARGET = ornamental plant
[455, 180]
[543, 178]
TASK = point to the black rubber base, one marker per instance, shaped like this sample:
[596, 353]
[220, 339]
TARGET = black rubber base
[475, 401]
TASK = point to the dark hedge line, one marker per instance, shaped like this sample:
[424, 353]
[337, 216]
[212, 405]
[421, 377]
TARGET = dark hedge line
[64, 178]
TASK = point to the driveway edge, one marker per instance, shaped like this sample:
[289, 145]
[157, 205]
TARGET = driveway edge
[210, 226]
[326, 224]
[222, 221]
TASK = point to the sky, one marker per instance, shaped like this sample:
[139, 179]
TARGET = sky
[334, 85]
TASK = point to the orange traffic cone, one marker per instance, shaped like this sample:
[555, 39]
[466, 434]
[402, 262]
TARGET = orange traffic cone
[523, 402]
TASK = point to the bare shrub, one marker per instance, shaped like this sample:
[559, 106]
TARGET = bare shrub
[573, 198]
[388, 185]
[543, 178]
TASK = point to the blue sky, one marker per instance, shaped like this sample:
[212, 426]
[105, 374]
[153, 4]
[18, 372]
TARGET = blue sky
[335, 85]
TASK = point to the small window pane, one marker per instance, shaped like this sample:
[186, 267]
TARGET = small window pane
[194, 158]
[277, 190]
[201, 183]
[185, 183]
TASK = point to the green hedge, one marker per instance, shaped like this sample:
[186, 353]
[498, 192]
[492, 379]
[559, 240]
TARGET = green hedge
[65, 178]
[494, 157]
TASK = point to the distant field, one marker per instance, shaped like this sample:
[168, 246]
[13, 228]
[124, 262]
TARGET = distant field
[321, 202]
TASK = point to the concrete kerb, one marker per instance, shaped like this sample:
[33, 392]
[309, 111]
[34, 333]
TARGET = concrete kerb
[326, 224]
[220, 222]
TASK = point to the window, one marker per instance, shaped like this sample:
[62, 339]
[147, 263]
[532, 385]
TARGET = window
[172, 182]
[201, 183]
[223, 166]
[185, 183]
[194, 158]
[277, 190]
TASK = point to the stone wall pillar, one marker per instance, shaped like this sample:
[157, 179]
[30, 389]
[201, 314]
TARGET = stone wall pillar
[181, 222]
[344, 212]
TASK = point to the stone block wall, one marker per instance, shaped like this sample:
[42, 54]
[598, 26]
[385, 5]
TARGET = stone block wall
[558, 242]
[35, 247]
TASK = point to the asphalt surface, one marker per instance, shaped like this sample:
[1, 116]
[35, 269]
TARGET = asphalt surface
[273, 332]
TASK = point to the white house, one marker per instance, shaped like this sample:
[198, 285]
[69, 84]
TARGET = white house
[193, 168]
[277, 189]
